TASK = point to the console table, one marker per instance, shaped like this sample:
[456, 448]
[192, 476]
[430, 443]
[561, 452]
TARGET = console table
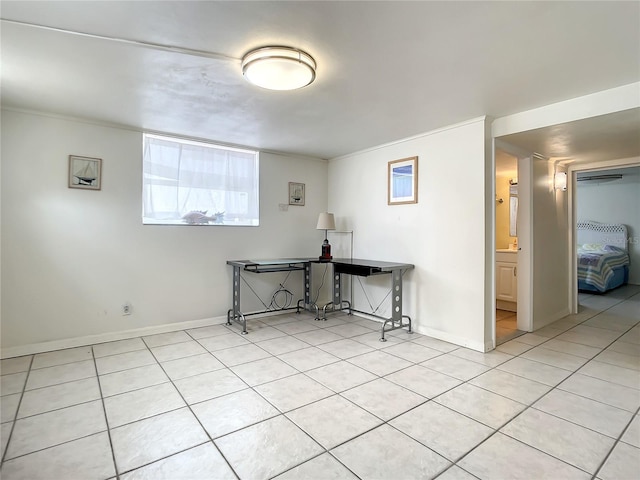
[341, 266]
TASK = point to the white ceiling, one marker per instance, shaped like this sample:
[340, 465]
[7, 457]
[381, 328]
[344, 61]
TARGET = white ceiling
[606, 137]
[386, 70]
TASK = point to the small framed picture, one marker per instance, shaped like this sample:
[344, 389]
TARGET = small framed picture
[85, 172]
[402, 181]
[296, 193]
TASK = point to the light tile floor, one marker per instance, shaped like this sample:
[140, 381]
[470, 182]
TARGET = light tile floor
[300, 399]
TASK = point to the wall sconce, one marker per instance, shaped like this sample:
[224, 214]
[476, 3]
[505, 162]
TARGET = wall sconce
[560, 181]
[326, 221]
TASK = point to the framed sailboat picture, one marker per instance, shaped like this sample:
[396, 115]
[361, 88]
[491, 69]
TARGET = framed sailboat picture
[402, 181]
[296, 193]
[85, 172]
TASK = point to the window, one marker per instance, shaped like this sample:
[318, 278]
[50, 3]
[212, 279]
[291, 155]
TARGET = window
[195, 183]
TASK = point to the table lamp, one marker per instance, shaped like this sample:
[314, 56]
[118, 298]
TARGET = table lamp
[326, 222]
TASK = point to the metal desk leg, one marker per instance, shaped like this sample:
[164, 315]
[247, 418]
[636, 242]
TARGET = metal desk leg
[306, 288]
[337, 295]
[306, 281]
[337, 291]
[396, 305]
[336, 303]
[234, 313]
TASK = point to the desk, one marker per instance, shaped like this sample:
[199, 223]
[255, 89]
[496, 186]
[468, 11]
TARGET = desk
[366, 268]
[341, 266]
[266, 266]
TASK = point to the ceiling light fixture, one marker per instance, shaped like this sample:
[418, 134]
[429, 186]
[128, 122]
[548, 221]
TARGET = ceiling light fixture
[279, 68]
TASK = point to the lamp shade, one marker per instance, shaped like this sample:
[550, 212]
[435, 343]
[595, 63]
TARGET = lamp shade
[279, 68]
[560, 181]
[326, 222]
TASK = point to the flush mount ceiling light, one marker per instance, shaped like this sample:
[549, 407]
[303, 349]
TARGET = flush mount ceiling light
[279, 68]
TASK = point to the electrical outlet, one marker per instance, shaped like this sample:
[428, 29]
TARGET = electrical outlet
[126, 308]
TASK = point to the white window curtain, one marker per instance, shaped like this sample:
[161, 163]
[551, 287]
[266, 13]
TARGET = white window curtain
[181, 176]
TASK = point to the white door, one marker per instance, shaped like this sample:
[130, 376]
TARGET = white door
[525, 245]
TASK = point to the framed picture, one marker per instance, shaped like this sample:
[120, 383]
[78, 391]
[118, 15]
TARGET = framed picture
[296, 193]
[85, 172]
[402, 182]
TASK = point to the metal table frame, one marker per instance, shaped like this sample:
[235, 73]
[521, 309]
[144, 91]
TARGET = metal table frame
[234, 314]
[341, 267]
[366, 268]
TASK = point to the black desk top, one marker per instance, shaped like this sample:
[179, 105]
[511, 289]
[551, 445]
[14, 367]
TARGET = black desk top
[381, 266]
[353, 266]
[267, 262]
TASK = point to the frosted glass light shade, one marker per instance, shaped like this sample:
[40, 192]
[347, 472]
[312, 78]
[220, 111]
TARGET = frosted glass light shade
[279, 68]
[560, 181]
[326, 222]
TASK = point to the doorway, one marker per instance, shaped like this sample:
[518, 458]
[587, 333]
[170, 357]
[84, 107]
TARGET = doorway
[506, 247]
[605, 192]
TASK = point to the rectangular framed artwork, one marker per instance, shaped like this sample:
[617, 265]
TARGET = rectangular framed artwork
[85, 172]
[296, 193]
[402, 181]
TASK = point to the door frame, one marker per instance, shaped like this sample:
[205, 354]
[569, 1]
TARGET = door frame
[524, 234]
[572, 175]
[525, 244]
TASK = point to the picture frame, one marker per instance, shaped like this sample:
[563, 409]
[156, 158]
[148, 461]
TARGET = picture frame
[402, 181]
[85, 172]
[296, 193]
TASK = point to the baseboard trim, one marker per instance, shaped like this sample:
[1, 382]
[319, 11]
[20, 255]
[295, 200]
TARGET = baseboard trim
[86, 340]
[439, 335]
[30, 349]
[455, 339]
[508, 306]
[553, 318]
[41, 347]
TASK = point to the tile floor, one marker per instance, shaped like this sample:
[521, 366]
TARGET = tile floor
[300, 399]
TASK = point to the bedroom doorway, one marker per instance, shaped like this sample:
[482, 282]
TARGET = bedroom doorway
[607, 193]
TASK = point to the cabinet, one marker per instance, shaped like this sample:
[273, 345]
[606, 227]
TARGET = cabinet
[507, 280]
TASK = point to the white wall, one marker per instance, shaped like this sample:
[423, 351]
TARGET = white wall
[615, 202]
[443, 235]
[550, 230]
[70, 257]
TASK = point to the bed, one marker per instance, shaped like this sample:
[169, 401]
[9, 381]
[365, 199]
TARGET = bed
[603, 259]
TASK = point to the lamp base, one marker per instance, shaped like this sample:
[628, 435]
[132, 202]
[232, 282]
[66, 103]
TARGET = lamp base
[326, 252]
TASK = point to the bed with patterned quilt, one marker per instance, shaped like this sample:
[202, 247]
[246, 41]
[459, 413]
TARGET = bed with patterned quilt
[603, 259]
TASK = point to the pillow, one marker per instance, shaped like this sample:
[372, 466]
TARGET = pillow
[591, 247]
